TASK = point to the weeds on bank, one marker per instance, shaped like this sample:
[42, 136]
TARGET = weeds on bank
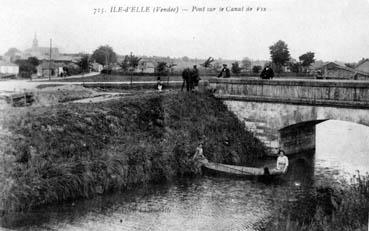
[342, 206]
[64, 152]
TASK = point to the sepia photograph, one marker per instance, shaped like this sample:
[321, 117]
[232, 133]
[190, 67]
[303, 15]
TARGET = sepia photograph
[184, 115]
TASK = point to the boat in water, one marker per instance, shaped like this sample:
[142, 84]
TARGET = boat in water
[241, 170]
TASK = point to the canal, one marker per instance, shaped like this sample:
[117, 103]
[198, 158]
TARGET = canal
[209, 202]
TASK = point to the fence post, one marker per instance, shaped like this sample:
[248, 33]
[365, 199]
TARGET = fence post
[25, 97]
[131, 79]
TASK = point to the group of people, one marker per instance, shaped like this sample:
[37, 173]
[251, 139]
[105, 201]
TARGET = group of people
[191, 78]
[200, 159]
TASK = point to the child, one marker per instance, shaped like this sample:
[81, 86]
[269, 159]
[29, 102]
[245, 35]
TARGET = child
[160, 86]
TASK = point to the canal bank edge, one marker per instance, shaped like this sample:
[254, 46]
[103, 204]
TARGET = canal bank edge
[65, 152]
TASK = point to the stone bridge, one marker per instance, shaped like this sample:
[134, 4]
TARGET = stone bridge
[283, 113]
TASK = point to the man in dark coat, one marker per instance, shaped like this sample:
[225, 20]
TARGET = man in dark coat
[195, 76]
[267, 73]
[186, 76]
[225, 72]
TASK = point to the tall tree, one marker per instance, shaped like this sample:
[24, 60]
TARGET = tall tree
[104, 55]
[130, 62]
[295, 66]
[162, 69]
[280, 54]
[28, 66]
[134, 61]
[256, 69]
[34, 61]
[12, 54]
[307, 59]
[125, 63]
[246, 63]
[85, 63]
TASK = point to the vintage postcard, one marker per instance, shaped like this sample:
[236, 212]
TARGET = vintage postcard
[184, 115]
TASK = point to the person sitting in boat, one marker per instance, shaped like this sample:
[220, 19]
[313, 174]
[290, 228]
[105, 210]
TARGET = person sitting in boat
[199, 156]
[282, 161]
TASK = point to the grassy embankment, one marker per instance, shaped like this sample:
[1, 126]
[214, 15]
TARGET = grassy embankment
[331, 206]
[65, 152]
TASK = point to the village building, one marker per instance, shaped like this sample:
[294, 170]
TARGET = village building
[97, 67]
[57, 68]
[41, 52]
[333, 70]
[145, 66]
[8, 68]
[51, 69]
[363, 66]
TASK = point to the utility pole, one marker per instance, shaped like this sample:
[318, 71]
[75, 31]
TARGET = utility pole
[106, 59]
[131, 68]
[50, 60]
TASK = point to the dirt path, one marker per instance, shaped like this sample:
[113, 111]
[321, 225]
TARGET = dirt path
[112, 96]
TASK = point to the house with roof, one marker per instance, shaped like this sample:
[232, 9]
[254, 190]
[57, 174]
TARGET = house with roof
[333, 70]
[47, 68]
[145, 66]
[8, 68]
[363, 66]
[96, 67]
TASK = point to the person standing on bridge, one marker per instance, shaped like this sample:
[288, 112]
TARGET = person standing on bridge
[282, 161]
[186, 76]
[225, 72]
[195, 76]
[267, 73]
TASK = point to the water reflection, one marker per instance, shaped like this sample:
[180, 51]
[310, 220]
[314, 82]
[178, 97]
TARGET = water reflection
[207, 203]
[200, 204]
[342, 146]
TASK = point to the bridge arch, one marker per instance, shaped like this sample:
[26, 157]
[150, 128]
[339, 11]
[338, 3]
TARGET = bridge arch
[298, 137]
[271, 107]
[290, 126]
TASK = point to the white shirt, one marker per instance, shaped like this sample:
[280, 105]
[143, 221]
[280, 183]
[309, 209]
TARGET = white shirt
[282, 162]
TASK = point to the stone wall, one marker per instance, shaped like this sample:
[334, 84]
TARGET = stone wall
[283, 113]
[290, 126]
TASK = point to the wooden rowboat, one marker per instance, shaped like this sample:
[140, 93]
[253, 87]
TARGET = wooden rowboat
[241, 170]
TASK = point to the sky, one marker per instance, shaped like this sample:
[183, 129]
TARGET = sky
[333, 29]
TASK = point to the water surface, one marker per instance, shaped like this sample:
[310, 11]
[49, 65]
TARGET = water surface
[209, 203]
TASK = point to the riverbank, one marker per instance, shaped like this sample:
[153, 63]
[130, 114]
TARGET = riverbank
[331, 205]
[64, 152]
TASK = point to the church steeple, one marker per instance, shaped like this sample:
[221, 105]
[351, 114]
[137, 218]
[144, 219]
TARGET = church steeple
[35, 42]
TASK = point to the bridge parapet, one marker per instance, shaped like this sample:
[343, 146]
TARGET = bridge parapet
[351, 94]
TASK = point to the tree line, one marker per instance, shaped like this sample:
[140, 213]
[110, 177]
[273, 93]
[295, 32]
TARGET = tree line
[106, 56]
